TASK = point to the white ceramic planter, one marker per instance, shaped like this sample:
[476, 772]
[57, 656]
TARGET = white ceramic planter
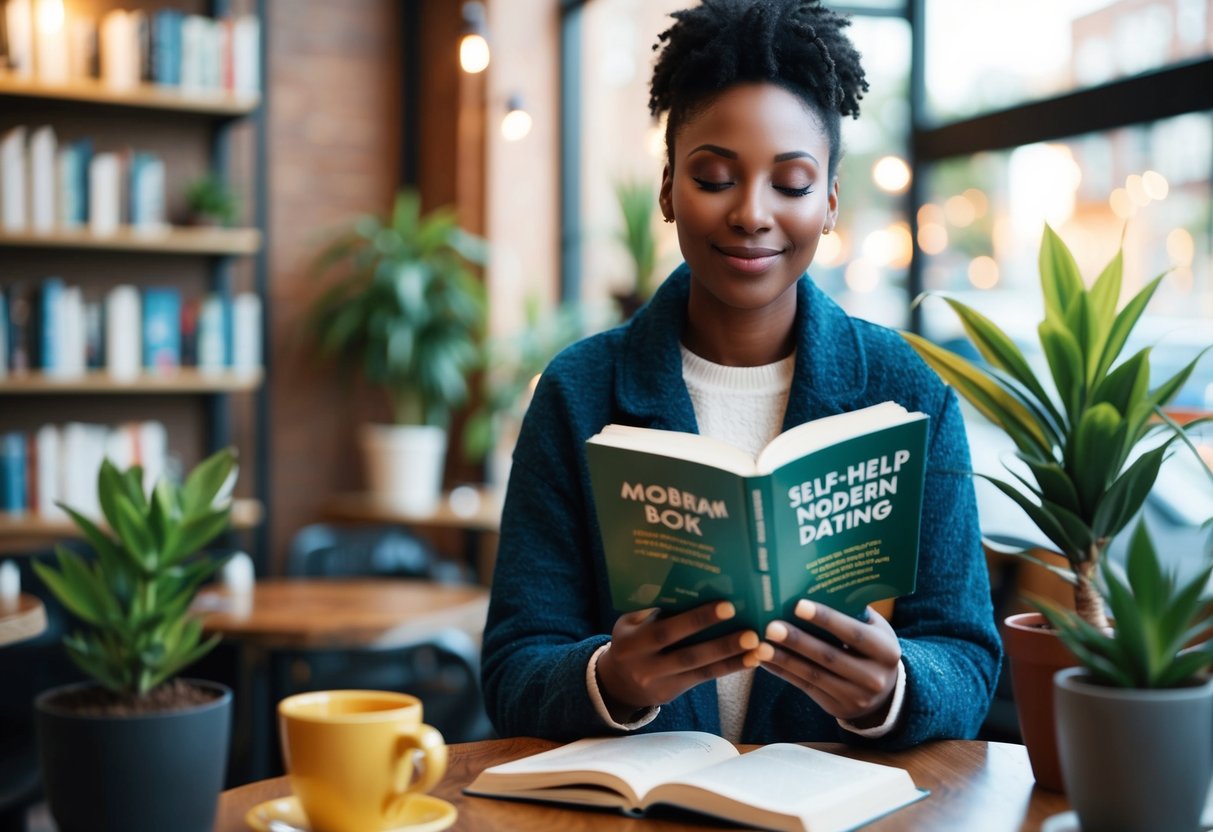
[404, 465]
[1134, 760]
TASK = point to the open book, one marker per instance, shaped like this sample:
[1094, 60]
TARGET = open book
[829, 510]
[779, 786]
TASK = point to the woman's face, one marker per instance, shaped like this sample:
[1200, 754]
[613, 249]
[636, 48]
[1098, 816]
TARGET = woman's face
[750, 193]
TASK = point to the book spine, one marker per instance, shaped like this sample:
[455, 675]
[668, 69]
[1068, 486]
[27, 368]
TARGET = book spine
[13, 497]
[758, 490]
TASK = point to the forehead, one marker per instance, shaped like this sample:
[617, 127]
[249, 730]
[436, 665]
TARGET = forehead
[759, 116]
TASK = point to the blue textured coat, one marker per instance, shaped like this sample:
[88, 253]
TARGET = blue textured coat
[551, 606]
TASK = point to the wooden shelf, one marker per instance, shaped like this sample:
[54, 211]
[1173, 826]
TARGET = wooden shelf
[482, 512]
[144, 97]
[183, 380]
[33, 532]
[170, 240]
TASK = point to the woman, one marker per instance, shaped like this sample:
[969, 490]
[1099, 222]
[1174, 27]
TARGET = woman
[737, 344]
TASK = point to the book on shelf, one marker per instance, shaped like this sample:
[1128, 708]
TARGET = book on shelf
[123, 333]
[161, 329]
[13, 187]
[19, 37]
[42, 152]
[781, 786]
[104, 193]
[829, 510]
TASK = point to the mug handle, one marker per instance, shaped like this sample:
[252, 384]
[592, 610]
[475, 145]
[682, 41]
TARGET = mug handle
[428, 740]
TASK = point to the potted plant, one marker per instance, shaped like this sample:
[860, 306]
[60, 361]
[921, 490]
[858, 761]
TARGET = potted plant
[1086, 434]
[636, 203]
[403, 307]
[138, 749]
[1135, 717]
[512, 365]
[210, 201]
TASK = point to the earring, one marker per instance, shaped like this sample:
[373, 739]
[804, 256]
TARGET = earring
[825, 230]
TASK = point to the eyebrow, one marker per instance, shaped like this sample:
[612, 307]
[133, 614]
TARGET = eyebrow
[730, 154]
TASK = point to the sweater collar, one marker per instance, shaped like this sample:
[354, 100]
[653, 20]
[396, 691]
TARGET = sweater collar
[831, 368]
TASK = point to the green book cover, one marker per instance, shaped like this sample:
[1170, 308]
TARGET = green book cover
[829, 510]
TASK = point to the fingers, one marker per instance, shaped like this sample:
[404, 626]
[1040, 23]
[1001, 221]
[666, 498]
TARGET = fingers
[873, 638]
[667, 632]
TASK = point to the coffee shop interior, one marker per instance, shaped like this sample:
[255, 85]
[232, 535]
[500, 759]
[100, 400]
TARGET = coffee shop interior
[210, 213]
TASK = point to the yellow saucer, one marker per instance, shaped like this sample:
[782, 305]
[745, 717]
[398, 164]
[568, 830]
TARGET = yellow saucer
[426, 814]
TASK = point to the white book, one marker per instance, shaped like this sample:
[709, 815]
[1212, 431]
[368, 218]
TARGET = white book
[152, 444]
[119, 47]
[83, 449]
[49, 488]
[246, 54]
[42, 151]
[50, 42]
[246, 332]
[71, 332]
[120, 445]
[123, 328]
[212, 341]
[147, 193]
[82, 48]
[194, 39]
[19, 18]
[13, 191]
[104, 193]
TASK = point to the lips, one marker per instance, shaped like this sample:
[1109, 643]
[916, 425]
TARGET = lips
[749, 259]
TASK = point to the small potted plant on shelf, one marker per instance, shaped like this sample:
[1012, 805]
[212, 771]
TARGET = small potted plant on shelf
[138, 749]
[403, 307]
[1135, 717]
[1088, 435]
[211, 202]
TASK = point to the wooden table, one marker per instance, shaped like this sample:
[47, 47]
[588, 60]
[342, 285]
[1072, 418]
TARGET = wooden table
[21, 618]
[975, 787]
[324, 614]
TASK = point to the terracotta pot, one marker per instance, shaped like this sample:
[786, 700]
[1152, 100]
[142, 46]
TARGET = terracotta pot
[1035, 654]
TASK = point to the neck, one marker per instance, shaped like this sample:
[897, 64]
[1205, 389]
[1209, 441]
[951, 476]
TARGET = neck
[740, 337]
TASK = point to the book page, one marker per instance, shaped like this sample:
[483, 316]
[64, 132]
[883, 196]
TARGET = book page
[634, 762]
[677, 445]
[820, 433]
[806, 788]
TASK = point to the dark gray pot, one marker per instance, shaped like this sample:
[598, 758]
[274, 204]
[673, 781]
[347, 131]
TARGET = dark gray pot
[147, 773]
[1134, 760]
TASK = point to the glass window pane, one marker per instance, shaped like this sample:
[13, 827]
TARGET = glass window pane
[982, 224]
[990, 54]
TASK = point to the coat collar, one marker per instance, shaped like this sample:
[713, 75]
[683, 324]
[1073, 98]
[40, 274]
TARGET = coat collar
[831, 369]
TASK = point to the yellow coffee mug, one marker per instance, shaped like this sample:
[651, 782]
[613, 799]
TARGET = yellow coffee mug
[352, 755]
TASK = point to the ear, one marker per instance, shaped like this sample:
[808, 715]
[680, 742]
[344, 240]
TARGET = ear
[832, 200]
[665, 197]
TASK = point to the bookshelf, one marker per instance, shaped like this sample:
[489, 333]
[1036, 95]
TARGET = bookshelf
[193, 131]
[171, 240]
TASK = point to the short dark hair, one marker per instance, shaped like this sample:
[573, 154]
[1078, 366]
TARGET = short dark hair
[799, 45]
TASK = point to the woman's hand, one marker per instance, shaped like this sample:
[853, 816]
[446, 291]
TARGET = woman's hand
[853, 682]
[640, 670]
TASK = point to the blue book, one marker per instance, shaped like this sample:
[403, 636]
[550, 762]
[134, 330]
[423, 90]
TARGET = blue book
[50, 301]
[166, 46]
[13, 496]
[161, 329]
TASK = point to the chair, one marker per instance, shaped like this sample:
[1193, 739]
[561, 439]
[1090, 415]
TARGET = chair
[442, 670]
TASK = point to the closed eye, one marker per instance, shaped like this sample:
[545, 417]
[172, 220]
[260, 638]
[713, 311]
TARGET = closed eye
[805, 191]
[710, 186]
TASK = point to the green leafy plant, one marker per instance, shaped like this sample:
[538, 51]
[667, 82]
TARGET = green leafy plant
[636, 202]
[404, 307]
[512, 364]
[1082, 440]
[1162, 625]
[209, 198]
[134, 599]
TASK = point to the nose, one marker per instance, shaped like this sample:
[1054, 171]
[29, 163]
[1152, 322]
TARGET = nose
[750, 212]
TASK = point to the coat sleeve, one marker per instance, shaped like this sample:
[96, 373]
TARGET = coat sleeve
[544, 617]
[949, 641]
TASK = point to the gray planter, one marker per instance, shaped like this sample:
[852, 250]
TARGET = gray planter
[146, 773]
[1134, 760]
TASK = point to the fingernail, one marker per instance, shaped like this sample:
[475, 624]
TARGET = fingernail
[750, 660]
[764, 652]
[806, 609]
[777, 631]
[725, 610]
[749, 640]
